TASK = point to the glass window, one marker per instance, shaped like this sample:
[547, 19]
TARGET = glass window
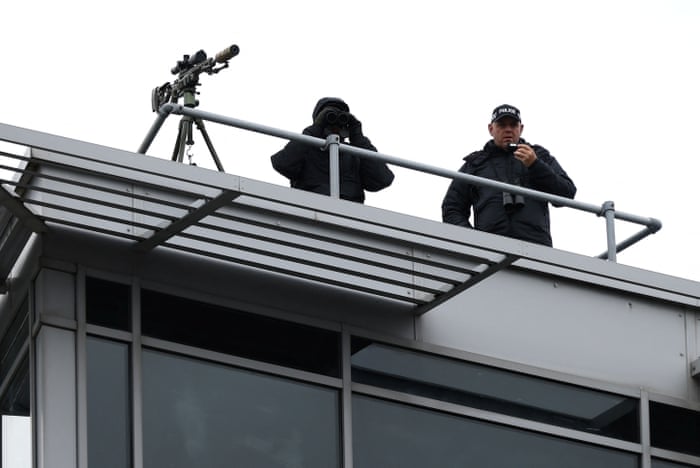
[674, 428]
[656, 463]
[197, 413]
[107, 303]
[15, 337]
[108, 404]
[388, 434]
[495, 390]
[239, 333]
[15, 400]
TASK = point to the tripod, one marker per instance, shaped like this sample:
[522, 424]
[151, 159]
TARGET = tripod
[184, 134]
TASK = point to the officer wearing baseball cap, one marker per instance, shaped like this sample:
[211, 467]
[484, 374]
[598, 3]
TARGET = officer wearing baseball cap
[508, 158]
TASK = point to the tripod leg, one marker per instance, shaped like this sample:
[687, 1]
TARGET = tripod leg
[184, 137]
[207, 140]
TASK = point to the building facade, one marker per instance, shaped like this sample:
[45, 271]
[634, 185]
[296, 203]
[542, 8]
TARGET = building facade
[156, 314]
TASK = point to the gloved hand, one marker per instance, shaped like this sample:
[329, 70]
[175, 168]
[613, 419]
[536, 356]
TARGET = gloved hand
[355, 127]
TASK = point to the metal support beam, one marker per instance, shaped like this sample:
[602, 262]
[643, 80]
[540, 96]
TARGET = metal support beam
[17, 208]
[192, 217]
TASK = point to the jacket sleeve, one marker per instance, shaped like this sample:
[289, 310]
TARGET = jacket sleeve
[457, 204]
[290, 160]
[546, 175]
[375, 174]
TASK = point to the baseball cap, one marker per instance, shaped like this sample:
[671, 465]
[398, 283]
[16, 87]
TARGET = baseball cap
[505, 110]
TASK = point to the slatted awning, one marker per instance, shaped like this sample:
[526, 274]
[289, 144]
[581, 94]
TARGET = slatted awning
[159, 204]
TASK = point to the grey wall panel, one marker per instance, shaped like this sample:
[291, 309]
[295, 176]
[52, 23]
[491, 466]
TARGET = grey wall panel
[567, 327]
[55, 294]
[56, 398]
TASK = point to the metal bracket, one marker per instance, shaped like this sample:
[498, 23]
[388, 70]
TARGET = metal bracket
[332, 139]
[695, 368]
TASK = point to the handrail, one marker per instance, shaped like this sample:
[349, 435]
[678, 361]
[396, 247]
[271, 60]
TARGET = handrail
[607, 209]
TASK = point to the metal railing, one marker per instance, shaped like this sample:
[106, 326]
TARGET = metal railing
[607, 209]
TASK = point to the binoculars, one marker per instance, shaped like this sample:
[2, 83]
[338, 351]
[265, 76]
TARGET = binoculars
[512, 202]
[333, 118]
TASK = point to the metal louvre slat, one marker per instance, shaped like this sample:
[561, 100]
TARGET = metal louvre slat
[320, 275]
[327, 261]
[324, 234]
[405, 263]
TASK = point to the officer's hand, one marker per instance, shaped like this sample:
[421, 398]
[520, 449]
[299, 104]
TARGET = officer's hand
[525, 154]
[355, 127]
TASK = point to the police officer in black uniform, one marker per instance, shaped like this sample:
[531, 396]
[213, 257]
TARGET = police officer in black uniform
[307, 167]
[508, 158]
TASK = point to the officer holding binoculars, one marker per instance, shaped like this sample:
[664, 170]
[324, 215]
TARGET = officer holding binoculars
[307, 167]
[507, 158]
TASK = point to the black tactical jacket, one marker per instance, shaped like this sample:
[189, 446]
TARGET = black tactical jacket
[307, 168]
[528, 221]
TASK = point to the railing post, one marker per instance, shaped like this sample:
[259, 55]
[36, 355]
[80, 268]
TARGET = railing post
[333, 145]
[609, 212]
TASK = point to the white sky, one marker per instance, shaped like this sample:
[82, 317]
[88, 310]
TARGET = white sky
[608, 86]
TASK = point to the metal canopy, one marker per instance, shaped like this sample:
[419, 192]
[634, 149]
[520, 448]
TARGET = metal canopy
[163, 204]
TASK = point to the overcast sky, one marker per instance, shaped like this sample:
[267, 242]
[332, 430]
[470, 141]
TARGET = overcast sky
[609, 87]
